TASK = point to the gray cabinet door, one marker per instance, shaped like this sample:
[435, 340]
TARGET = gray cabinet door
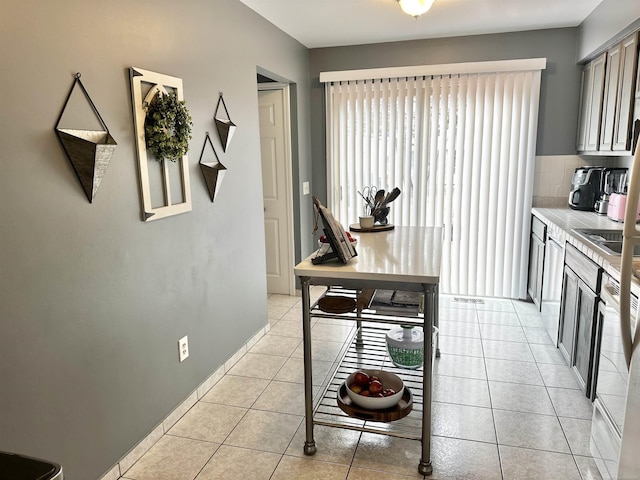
[585, 107]
[625, 97]
[536, 260]
[568, 314]
[595, 103]
[536, 269]
[611, 81]
[637, 95]
[584, 337]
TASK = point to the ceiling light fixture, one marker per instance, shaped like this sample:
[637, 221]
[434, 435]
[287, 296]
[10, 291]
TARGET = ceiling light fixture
[415, 8]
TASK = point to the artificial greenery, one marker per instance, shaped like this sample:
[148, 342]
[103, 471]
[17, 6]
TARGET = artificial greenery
[167, 127]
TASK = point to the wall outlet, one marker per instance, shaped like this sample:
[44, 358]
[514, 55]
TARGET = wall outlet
[183, 348]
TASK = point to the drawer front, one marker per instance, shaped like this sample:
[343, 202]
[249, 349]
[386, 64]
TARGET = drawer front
[585, 268]
[538, 228]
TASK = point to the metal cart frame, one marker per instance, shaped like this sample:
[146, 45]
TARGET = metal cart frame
[423, 278]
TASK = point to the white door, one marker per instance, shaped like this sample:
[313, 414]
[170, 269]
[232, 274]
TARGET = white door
[276, 183]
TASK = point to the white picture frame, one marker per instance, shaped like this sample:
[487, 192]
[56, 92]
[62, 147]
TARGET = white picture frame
[164, 186]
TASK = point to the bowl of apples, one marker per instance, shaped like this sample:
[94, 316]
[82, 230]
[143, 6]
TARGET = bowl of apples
[374, 389]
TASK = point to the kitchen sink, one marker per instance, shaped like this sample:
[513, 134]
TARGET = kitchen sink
[600, 235]
[610, 241]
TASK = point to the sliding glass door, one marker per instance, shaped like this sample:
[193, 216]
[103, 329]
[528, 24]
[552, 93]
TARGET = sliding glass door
[461, 147]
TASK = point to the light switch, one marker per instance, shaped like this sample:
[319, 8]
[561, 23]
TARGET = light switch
[305, 188]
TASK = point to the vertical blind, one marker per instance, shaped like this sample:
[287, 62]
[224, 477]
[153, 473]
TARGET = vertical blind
[461, 147]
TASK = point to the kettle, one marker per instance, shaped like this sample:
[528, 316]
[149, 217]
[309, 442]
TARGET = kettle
[602, 205]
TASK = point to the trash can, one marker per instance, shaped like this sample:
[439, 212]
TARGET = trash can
[19, 467]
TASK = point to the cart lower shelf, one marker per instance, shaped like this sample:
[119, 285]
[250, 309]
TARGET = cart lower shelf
[400, 410]
[367, 350]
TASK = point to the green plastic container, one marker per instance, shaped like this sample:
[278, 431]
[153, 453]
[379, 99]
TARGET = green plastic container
[405, 346]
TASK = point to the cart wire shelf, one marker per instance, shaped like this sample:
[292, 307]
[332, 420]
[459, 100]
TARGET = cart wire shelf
[368, 351]
[410, 316]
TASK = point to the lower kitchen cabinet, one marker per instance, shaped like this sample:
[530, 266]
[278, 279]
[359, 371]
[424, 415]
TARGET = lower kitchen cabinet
[536, 260]
[578, 310]
[585, 335]
[552, 284]
[568, 313]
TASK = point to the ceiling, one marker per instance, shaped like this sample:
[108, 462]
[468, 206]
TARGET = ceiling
[330, 23]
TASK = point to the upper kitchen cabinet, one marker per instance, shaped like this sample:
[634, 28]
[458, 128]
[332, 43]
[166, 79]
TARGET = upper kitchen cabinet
[638, 83]
[616, 136]
[591, 104]
[607, 100]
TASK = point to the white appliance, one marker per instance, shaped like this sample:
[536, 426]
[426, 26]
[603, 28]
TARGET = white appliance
[615, 429]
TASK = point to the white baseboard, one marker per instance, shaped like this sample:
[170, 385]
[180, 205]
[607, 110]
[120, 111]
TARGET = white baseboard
[126, 462]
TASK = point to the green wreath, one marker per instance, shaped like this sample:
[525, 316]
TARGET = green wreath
[167, 127]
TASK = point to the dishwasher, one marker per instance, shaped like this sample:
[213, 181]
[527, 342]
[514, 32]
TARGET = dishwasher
[552, 285]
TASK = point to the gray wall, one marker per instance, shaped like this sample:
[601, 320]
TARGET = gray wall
[610, 21]
[92, 299]
[559, 93]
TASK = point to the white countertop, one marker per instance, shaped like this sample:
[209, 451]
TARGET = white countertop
[560, 223]
[404, 254]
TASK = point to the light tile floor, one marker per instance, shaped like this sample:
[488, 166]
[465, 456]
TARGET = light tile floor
[505, 407]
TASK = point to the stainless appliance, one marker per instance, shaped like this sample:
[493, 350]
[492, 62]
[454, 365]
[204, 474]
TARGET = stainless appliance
[614, 181]
[612, 382]
[615, 427]
[585, 187]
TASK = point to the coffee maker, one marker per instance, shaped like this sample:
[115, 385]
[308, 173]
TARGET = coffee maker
[586, 185]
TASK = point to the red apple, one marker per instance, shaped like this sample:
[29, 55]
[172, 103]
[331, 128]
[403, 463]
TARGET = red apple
[361, 378]
[375, 387]
[365, 393]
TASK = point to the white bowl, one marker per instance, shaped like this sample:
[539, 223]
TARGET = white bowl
[388, 379]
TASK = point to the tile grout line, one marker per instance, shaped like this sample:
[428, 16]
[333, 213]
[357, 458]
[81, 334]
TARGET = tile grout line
[350, 466]
[140, 449]
[493, 417]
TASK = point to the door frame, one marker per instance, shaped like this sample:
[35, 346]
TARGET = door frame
[286, 108]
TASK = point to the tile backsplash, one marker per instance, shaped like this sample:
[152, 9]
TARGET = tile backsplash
[553, 173]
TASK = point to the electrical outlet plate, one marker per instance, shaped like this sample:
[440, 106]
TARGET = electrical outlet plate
[183, 348]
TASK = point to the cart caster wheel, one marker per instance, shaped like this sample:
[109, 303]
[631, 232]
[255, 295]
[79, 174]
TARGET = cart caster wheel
[425, 468]
[309, 448]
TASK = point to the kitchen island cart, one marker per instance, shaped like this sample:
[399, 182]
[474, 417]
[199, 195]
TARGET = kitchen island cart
[405, 259]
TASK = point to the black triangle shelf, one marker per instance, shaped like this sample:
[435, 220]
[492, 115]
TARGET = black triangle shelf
[213, 172]
[226, 128]
[88, 151]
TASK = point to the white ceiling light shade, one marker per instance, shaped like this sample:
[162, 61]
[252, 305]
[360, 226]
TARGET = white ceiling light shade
[415, 8]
